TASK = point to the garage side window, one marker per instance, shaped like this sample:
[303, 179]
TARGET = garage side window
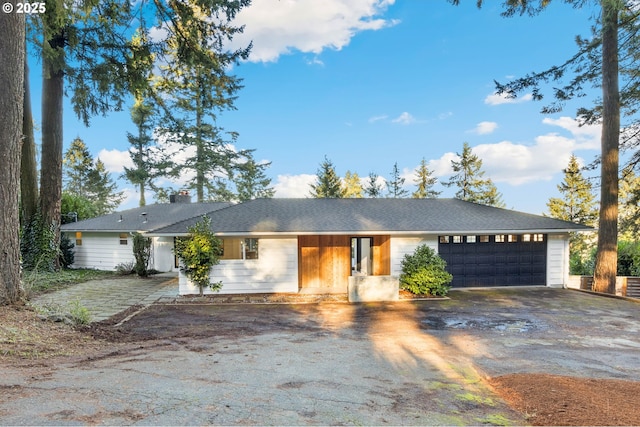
[78, 238]
[124, 238]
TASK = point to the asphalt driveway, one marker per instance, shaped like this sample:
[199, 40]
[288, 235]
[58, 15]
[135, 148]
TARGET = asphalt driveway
[405, 363]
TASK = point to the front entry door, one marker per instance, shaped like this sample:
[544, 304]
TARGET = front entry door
[361, 256]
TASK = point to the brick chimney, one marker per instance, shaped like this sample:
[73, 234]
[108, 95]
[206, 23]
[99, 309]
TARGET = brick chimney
[182, 197]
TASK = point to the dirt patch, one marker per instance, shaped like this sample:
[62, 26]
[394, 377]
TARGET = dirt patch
[27, 341]
[557, 400]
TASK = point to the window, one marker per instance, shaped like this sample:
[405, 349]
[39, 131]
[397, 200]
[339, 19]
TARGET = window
[484, 239]
[78, 238]
[499, 238]
[250, 248]
[124, 238]
[526, 237]
[235, 248]
[457, 239]
[538, 237]
[444, 239]
[361, 256]
[471, 239]
[512, 238]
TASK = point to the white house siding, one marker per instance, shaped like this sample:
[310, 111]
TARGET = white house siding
[101, 251]
[401, 246]
[557, 260]
[275, 270]
[162, 254]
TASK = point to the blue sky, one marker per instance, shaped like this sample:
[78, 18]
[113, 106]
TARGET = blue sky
[369, 83]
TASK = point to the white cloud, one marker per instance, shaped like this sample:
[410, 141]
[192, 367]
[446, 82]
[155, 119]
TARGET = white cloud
[279, 27]
[404, 119]
[484, 128]
[518, 164]
[495, 99]
[294, 185]
[587, 137]
[378, 118]
[115, 160]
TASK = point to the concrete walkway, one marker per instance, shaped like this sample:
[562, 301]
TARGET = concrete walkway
[107, 297]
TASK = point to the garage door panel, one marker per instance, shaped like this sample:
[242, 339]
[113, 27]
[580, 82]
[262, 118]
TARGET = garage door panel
[496, 263]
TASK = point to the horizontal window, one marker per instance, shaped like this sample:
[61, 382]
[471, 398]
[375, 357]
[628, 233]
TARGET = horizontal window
[233, 248]
[444, 239]
[499, 238]
[484, 239]
[471, 239]
[457, 239]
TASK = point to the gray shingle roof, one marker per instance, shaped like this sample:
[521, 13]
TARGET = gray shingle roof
[145, 218]
[299, 216]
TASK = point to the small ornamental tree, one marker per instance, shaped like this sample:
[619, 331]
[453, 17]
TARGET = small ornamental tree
[142, 253]
[198, 253]
[423, 273]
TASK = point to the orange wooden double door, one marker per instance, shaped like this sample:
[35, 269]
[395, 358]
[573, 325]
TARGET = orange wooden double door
[325, 261]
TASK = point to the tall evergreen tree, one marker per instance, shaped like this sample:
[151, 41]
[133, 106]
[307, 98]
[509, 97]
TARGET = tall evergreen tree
[425, 182]
[328, 183]
[468, 178]
[629, 211]
[197, 88]
[250, 179]
[12, 58]
[373, 188]
[394, 186]
[352, 186]
[89, 179]
[28, 163]
[601, 60]
[577, 204]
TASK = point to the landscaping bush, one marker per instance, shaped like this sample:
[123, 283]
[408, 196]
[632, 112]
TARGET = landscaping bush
[423, 273]
[142, 253]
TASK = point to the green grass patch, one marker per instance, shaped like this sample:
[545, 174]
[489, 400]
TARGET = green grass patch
[38, 282]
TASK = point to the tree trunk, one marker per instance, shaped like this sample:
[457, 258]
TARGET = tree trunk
[28, 165]
[12, 58]
[607, 254]
[52, 138]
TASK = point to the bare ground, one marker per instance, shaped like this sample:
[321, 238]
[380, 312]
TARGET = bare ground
[27, 342]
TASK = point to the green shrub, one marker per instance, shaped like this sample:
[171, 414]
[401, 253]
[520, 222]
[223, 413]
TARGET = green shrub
[142, 253]
[125, 268]
[424, 273]
[67, 255]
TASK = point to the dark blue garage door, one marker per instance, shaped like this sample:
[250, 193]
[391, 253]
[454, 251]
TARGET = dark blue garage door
[495, 260]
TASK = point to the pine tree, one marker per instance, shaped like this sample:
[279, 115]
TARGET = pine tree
[629, 211]
[12, 58]
[328, 183]
[468, 178]
[352, 186]
[89, 179]
[425, 182]
[198, 88]
[102, 189]
[373, 188]
[394, 186]
[577, 204]
[250, 179]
